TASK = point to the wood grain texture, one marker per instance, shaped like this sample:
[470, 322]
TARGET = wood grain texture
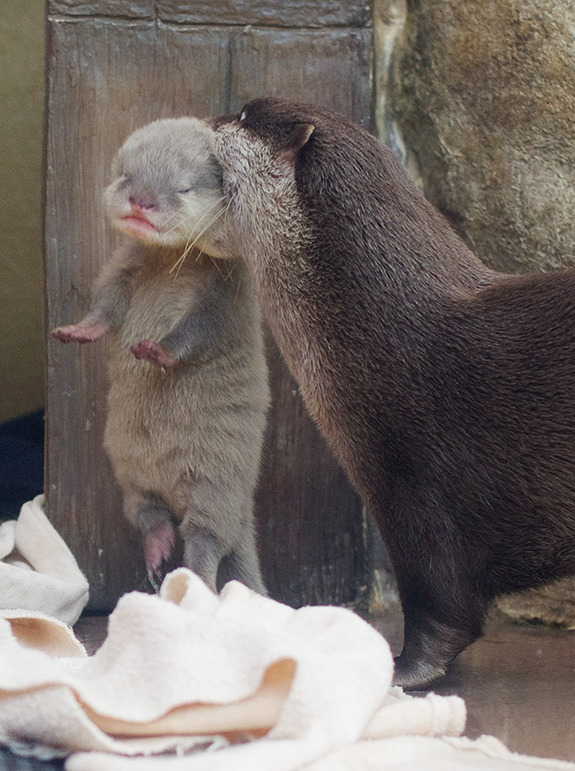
[131, 9]
[296, 13]
[326, 67]
[311, 528]
[107, 77]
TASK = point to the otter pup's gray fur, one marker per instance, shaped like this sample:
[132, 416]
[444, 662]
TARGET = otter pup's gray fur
[188, 379]
[446, 390]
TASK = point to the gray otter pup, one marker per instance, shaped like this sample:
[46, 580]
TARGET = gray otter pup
[446, 390]
[188, 379]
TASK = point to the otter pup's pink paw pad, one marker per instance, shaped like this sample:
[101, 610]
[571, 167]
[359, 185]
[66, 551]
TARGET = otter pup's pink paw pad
[79, 333]
[158, 545]
[154, 353]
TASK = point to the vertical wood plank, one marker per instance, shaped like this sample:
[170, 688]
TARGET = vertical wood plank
[311, 524]
[311, 529]
[99, 92]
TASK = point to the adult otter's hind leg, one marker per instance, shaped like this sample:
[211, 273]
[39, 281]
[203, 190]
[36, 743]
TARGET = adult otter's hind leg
[434, 634]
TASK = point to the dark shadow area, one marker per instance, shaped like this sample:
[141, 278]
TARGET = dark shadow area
[21, 462]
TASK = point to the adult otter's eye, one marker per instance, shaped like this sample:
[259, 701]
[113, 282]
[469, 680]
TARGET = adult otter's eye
[187, 190]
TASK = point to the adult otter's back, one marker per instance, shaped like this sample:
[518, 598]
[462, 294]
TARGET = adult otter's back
[445, 389]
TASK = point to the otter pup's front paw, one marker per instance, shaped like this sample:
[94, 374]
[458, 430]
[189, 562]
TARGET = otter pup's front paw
[79, 333]
[154, 353]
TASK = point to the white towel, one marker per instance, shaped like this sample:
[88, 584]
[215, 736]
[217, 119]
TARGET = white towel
[239, 681]
[304, 681]
[37, 570]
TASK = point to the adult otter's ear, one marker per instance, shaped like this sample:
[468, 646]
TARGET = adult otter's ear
[295, 140]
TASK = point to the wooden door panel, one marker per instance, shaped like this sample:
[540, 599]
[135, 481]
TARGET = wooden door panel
[113, 66]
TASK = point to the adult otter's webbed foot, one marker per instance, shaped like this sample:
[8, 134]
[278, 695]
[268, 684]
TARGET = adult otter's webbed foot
[416, 675]
[429, 647]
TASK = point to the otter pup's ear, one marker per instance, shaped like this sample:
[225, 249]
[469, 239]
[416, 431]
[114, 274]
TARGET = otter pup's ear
[295, 140]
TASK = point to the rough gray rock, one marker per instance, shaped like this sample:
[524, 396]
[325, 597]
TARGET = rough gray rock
[484, 93]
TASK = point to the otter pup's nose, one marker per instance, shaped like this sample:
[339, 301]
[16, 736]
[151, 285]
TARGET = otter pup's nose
[139, 202]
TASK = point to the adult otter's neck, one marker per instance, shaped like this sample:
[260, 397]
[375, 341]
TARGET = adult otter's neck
[366, 261]
[356, 277]
[367, 213]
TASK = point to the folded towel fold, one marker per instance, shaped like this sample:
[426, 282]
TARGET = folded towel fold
[37, 570]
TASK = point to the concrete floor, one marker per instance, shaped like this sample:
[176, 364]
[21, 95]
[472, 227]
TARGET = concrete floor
[518, 683]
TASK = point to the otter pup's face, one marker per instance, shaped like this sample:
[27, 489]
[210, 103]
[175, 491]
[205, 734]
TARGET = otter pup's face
[167, 187]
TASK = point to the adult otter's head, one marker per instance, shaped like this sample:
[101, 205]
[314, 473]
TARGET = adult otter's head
[304, 182]
[259, 149]
[167, 184]
[275, 132]
[290, 154]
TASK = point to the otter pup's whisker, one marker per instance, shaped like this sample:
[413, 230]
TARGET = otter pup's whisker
[209, 224]
[191, 217]
[191, 245]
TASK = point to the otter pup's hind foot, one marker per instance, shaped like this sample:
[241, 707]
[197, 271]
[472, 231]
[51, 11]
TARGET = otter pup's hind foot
[152, 516]
[202, 554]
[242, 564]
[159, 543]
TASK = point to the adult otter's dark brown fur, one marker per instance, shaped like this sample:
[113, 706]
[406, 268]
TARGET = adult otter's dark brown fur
[446, 390]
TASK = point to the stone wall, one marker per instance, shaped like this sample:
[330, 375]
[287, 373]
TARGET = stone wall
[484, 94]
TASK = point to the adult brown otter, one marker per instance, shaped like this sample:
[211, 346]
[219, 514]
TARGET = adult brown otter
[445, 389]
